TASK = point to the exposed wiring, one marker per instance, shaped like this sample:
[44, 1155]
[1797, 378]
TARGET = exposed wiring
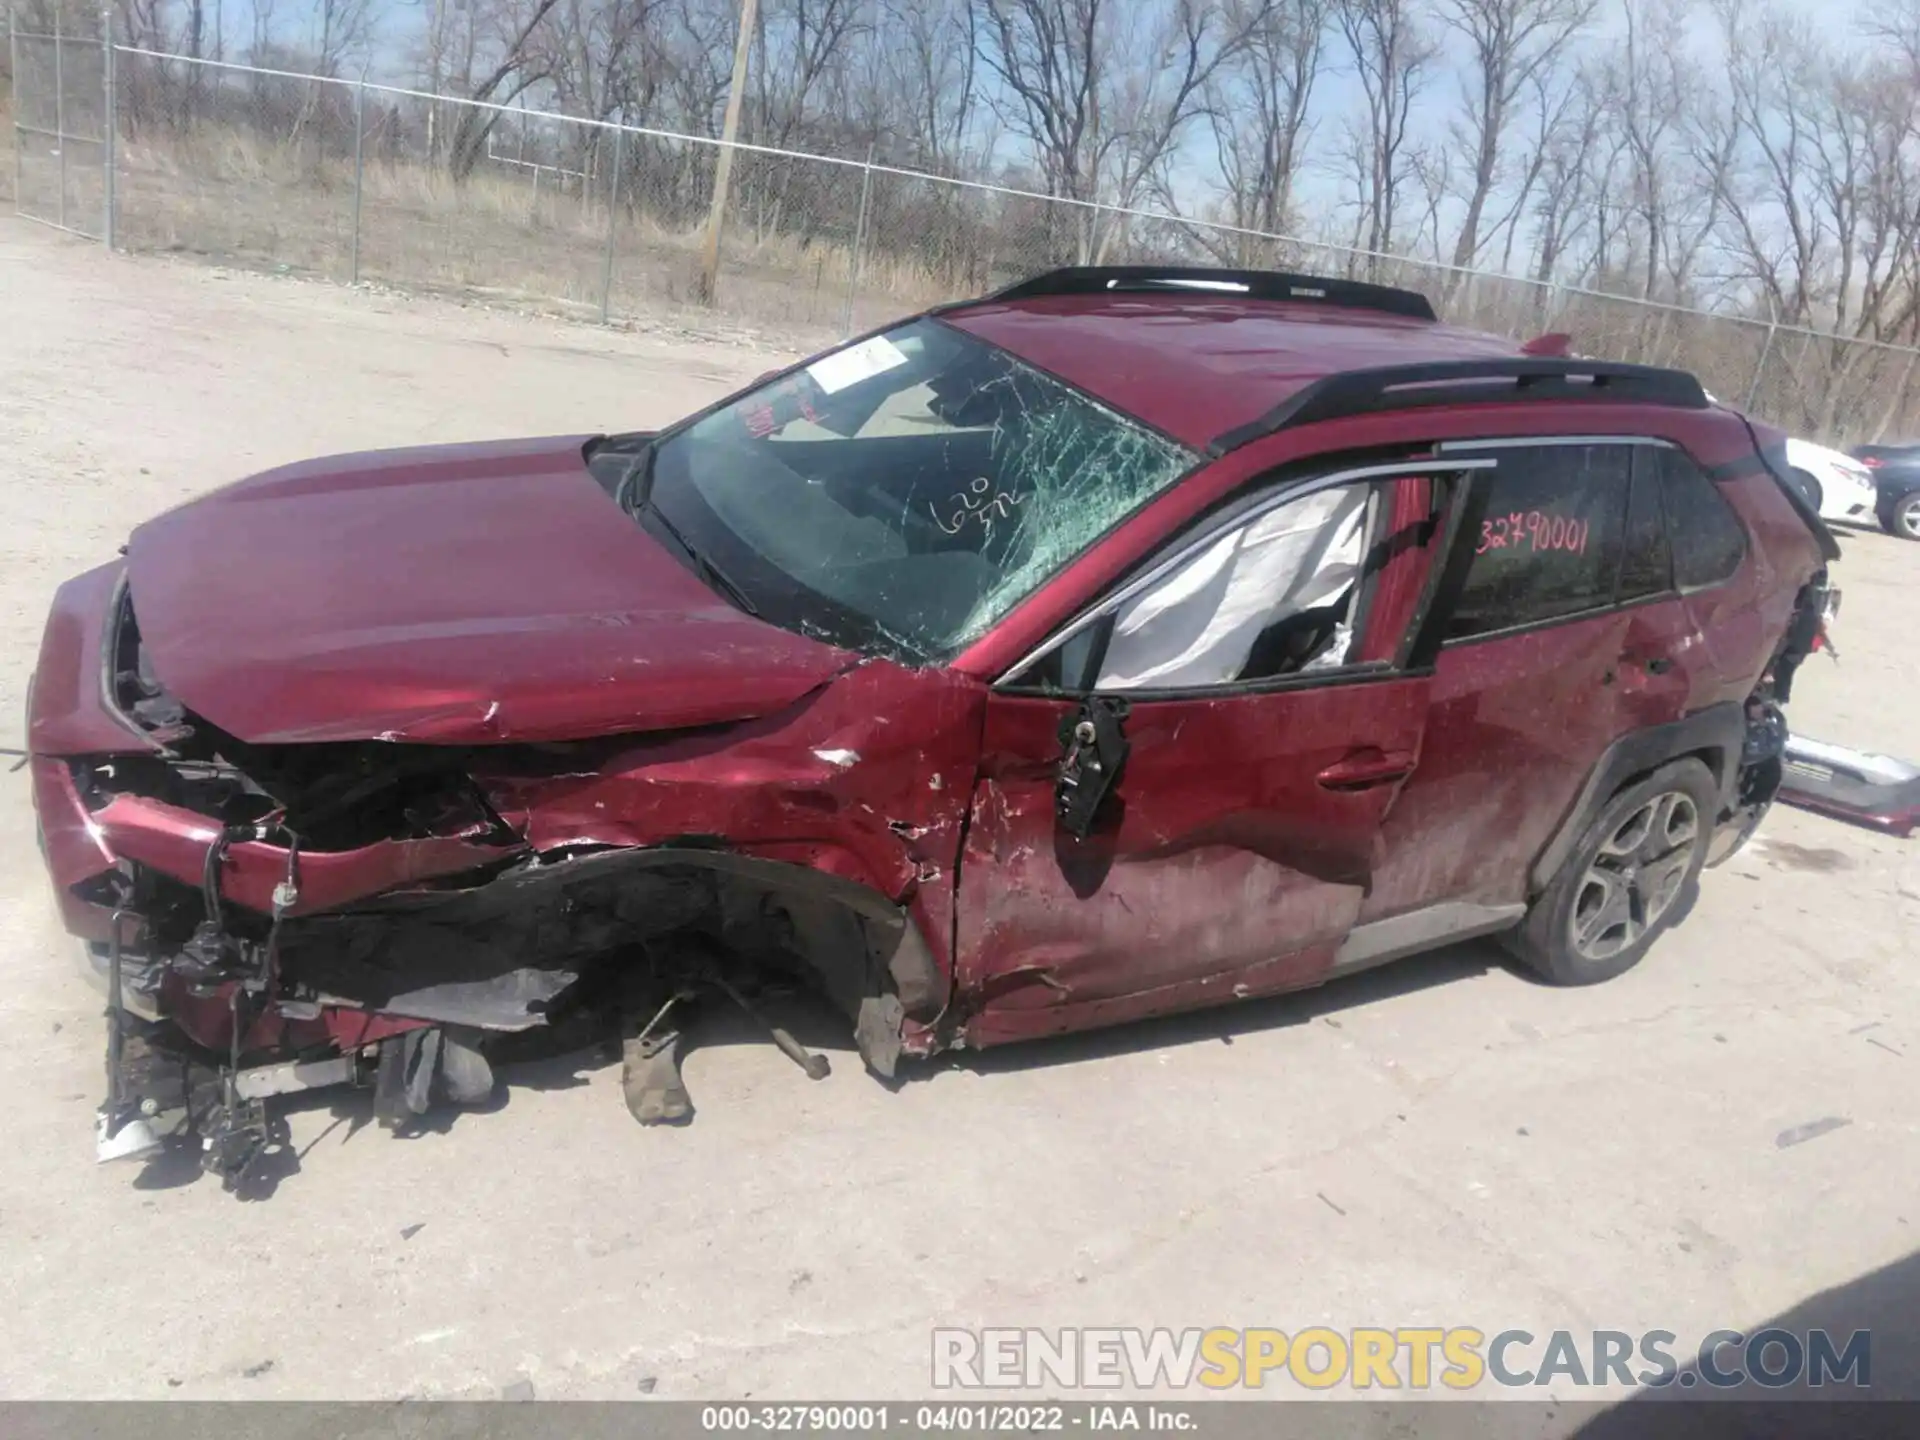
[238, 1019]
[210, 877]
[285, 896]
[116, 1029]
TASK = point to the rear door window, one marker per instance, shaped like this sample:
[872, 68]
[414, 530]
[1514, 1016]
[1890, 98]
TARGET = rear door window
[1550, 541]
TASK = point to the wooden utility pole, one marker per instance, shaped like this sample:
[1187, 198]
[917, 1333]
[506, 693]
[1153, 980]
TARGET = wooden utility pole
[723, 163]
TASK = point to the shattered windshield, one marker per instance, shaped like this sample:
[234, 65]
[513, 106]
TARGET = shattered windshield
[903, 493]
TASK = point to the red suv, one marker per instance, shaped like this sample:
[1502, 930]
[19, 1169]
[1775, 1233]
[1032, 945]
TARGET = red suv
[1128, 641]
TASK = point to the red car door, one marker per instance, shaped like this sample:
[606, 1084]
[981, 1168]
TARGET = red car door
[1566, 634]
[1232, 855]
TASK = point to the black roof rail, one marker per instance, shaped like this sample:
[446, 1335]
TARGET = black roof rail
[1457, 382]
[1253, 284]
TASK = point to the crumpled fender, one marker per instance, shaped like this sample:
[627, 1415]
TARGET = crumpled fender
[867, 779]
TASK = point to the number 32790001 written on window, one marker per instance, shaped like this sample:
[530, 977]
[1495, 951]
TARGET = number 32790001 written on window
[1533, 530]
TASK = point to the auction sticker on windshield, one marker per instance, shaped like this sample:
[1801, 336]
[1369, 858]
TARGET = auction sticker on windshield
[856, 363]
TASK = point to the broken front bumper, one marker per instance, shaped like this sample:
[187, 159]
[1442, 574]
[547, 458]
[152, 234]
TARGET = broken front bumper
[436, 894]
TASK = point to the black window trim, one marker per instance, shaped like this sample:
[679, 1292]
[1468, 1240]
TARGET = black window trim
[1183, 549]
[1574, 617]
[1650, 475]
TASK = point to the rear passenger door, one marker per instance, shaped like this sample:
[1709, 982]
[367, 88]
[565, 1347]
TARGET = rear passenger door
[1559, 628]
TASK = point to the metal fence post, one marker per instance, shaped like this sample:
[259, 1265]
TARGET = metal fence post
[859, 244]
[359, 175]
[60, 113]
[1798, 369]
[1760, 370]
[109, 126]
[613, 214]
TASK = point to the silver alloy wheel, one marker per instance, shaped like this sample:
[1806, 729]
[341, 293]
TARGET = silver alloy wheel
[1635, 877]
[1907, 513]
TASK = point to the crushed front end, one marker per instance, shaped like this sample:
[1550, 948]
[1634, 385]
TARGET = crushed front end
[272, 918]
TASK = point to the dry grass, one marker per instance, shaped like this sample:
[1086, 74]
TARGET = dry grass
[228, 196]
[236, 196]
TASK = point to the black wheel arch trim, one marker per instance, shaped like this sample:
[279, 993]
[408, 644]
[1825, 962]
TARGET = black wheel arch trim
[1716, 734]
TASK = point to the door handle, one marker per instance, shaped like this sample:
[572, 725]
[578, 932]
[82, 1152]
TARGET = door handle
[1366, 767]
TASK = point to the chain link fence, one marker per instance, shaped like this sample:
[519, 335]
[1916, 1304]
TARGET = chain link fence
[360, 182]
[61, 130]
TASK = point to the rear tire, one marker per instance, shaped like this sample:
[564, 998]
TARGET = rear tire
[1633, 874]
[1902, 517]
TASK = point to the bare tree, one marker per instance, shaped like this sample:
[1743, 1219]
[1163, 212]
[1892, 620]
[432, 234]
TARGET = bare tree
[934, 50]
[799, 43]
[695, 57]
[1570, 169]
[1511, 47]
[1431, 167]
[1645, 81]
[1549, 106]
[339, 31]
[1392, 47]
[1259, 111]
[518, 67]
[595, 56]
[1101, 90]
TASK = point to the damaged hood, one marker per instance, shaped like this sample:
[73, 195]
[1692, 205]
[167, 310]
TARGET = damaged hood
[457, 595]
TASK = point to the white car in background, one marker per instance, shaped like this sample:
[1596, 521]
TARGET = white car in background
[1836, 485]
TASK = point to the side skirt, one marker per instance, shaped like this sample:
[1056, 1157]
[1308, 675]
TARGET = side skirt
[1380, 941]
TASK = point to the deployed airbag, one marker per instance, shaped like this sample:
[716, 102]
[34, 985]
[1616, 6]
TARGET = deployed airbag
[1198, 626]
